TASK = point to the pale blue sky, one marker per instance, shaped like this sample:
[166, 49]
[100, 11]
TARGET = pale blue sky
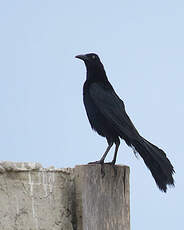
[141, 44]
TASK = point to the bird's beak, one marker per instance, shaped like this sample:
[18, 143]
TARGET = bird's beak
[82, 57]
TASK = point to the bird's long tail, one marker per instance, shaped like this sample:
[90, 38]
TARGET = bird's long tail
[157, 162]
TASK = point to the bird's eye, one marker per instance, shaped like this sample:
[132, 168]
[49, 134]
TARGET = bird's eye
[93, 57]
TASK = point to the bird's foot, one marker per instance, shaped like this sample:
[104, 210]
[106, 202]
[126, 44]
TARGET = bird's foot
[96, 162]
[101, 162]
[112, 163]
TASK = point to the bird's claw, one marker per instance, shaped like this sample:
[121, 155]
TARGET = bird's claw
[96, 162]
[110, 163]
[101, 162]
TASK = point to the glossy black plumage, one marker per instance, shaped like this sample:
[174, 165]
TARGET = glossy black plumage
[107, 116]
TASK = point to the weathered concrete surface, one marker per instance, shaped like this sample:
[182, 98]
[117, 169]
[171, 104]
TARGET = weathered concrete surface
[33, 198]
[85, 198]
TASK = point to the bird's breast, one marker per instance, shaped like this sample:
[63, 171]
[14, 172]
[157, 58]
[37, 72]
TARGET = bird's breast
[97, 121]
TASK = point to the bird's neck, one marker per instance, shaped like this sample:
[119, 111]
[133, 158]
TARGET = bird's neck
[96, 74]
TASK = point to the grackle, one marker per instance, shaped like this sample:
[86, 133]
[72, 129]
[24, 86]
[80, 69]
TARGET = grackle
[107, 116]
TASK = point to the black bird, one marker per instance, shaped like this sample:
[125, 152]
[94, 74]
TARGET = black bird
[107, 116]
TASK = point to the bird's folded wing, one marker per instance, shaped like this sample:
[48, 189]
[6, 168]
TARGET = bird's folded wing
[113, 109]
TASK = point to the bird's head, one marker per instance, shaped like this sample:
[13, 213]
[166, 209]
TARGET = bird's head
[90, 59]
[95, 69]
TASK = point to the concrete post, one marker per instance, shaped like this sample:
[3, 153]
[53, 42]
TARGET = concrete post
[88, 197]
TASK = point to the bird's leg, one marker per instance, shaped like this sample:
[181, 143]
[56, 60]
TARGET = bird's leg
[101, 161]
[117, 143]
[106, 152]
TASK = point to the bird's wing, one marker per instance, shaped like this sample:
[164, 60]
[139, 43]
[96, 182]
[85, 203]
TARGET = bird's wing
[113, 109]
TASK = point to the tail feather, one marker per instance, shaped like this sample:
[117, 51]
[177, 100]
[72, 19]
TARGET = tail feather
[157, 162]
